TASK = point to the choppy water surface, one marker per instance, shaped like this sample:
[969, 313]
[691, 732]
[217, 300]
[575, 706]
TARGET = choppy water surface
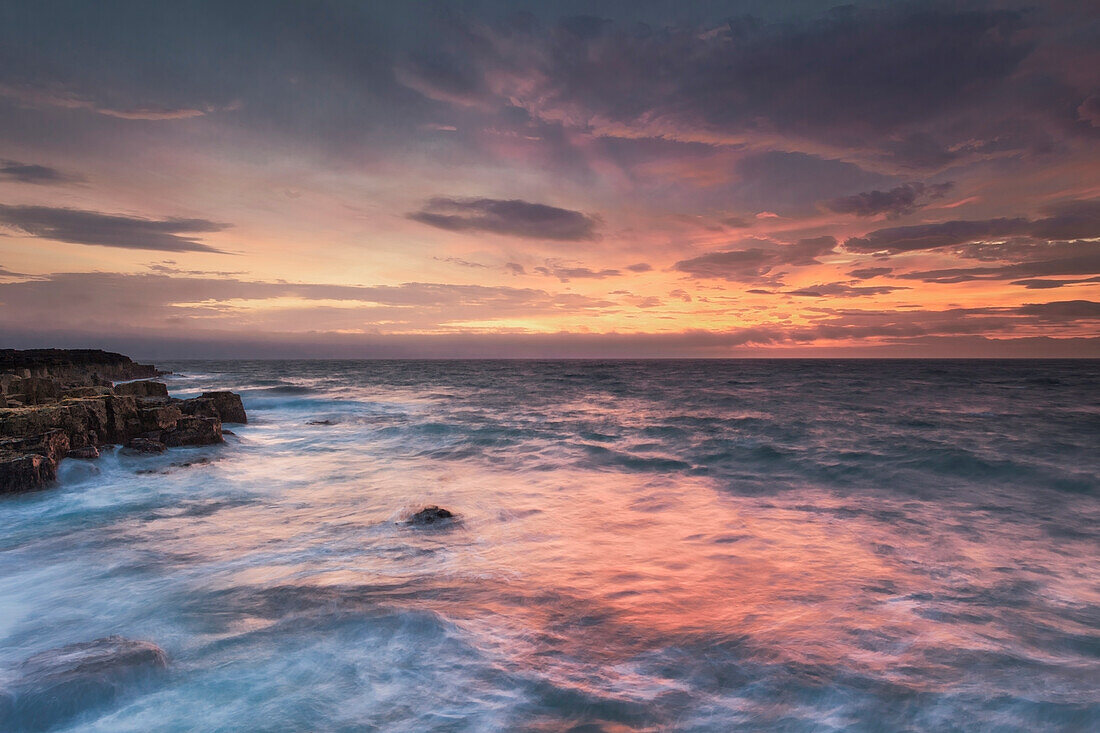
[751, 545]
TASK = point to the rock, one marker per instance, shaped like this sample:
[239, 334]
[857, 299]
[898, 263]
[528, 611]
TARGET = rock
[39, 390]
[87, 392]
[199, 407]
[87, 453]
[77, 417]
[430, 515]
[162, 417]
[320, 422]
[229, 406]
[58, 403]
[51, 444]
[55, 685]
[142, 389]
[73, 366]
[195, 431]
[146, 445]
[25, 471]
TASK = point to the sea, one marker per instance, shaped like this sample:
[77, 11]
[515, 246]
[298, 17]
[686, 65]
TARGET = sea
[703, 545]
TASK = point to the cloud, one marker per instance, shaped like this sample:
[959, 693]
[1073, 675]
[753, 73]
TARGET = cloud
[138, 302]
[680, 294]
[11, 170]
[424, 319]
[1063, 310]
[757, 262]
[461, 262]
[1078, 259]
[897, 201]
[932, 236]
[866, 273]
[1039, 284]
[853, 77]
[36, 97]
[109, 230]
[512, 217]
[565, 274]
[844, 290]
[640, 267]
[1070, 220]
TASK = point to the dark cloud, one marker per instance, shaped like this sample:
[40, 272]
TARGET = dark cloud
[680, 294]
[866, 273]
[513, 217]
[856, 77]
[640, 267]
[795, 182]
[461, 262]
[844, 290]
[109, 230]
[565, 273]
[758, 262]
[11, 170]
[1040, 284]
[933, 236]
[1070, 220]
[1063, 310]
[897, 201]
[1078, 259]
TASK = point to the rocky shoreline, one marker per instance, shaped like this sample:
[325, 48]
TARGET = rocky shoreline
[65, 403]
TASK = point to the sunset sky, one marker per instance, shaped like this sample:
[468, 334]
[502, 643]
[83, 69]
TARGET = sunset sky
[525, 178]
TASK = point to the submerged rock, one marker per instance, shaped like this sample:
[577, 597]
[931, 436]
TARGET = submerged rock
[56, 685]
[430, 515]
[320, 422]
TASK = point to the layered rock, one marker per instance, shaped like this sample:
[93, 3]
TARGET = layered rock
[64, 412]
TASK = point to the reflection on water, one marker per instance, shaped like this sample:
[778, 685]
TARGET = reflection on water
[642, 546]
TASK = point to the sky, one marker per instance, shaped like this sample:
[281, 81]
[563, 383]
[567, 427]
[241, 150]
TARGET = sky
[551, 179]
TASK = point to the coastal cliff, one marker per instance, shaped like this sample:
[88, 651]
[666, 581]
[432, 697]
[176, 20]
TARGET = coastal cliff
[58, 403]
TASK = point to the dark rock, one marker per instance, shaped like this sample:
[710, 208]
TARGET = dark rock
[162, 417]
[87, 453]
[194, 431]
[146, 445]
[55, 685]
[73, 366]
[86, 392]
[226, 431]
[320, 422]
[39, 390]
[229, 406]
[430, 515]
[25, 471]
[52, 444]
[199, 407]
[142, 389]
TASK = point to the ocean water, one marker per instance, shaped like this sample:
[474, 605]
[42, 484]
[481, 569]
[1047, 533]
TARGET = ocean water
[642, 545]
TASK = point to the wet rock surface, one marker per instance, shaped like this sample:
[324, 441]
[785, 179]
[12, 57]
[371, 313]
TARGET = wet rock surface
[57, 404]
[53, 686]
[431, 515]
